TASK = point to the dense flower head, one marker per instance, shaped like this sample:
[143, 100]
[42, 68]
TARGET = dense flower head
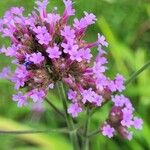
[46, 50]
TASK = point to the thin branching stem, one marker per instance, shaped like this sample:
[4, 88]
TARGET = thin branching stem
[134, 75]
[16, 132]
[54, 107]
[95, 132]
[70, 124]
[86, 128]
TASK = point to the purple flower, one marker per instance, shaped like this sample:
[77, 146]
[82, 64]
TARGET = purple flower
[21, 99]
[42, 3]
[51, 86]
[40, 30]
[37, 95]
[69, 11]
[53, 52]
[101, 51]
[72, 94]
[137, 123]
[3, 50]
[19, 82]
[68, 33]
[85, 54]
[99, 68]
[75, 55]
[43, 35]
[74, 110]
[5, 73]
[44, 38]
[69, 47]
[112, 86]
[20, 77]
[8, 32]
[52, 18]
[108, 131]
[84, 22]
[101, 82]
[127, 117]
[21, 72]
[41, 7]
[91, 97]
[129, 135]
[119, 100]
[17, 11]
[36, 58]
[119, 82]
[12, 51]
[90, 18]
[102, 40]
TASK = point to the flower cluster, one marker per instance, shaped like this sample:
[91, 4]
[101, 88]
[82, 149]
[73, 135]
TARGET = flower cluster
[46, 49]
[120, 118]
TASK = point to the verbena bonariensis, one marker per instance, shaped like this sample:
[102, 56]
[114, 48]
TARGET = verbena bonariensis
[46, 50]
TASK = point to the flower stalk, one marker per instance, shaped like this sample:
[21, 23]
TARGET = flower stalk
[86, 128]
[54, 107]
[134, 75]
[69, 121]
[16, 132]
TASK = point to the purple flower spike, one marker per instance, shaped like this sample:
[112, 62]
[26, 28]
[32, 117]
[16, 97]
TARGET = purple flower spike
[46, 49]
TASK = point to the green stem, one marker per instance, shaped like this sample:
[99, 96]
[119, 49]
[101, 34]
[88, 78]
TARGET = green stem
[65, 130]
[70, 124]
[87, 124]
[134, 75]
[54, 107]
[93, 133]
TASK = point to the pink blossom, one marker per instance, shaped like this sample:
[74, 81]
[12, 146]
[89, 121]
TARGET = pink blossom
[108, 131]
[137, 123]
[21, 99]
[37, 95]
[53, 52]
[36, 58]
[74, 110]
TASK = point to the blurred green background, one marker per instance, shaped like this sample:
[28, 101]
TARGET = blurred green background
[126, 26]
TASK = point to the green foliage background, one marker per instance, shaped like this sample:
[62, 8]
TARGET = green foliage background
[126, 26]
